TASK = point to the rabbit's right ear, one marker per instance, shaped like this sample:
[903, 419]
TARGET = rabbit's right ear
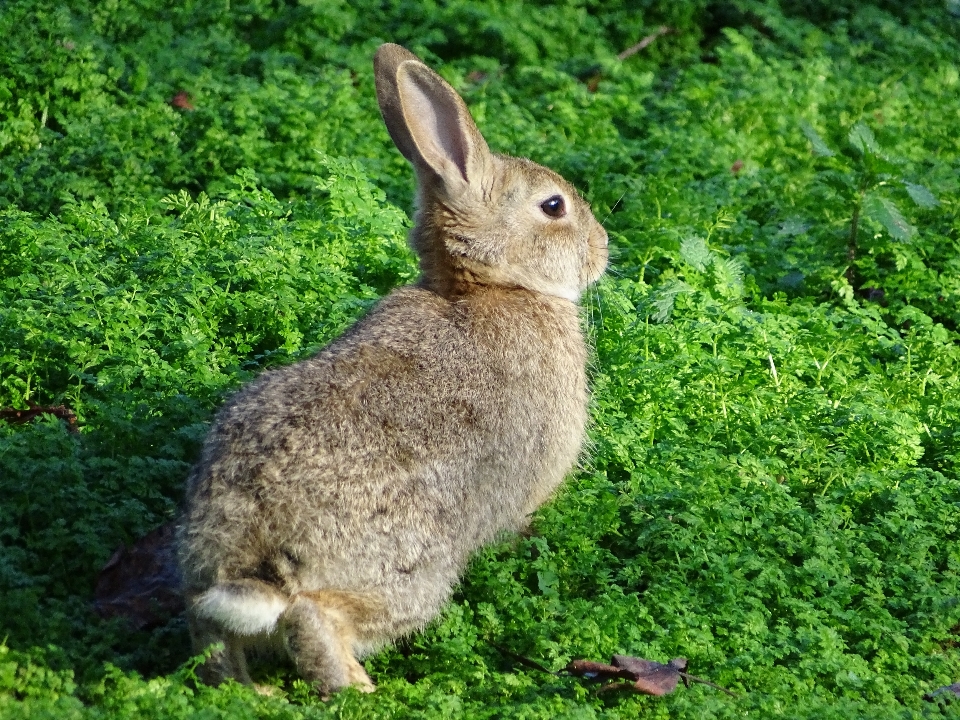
[427, 119]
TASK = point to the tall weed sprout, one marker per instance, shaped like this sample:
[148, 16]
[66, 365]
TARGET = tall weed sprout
[192, 193]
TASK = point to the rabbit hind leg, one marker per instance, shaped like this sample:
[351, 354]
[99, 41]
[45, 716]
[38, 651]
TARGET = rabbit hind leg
[318, 630]
[232, 614]
[227, 659]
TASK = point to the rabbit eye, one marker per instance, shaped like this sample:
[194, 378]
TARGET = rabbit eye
[554, 207]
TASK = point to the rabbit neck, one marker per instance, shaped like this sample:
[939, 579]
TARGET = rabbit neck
[452, 276]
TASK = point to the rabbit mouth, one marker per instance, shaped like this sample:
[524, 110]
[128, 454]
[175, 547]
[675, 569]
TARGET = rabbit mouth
[598, 254]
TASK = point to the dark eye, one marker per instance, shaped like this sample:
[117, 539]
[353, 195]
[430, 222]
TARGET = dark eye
[554, 207]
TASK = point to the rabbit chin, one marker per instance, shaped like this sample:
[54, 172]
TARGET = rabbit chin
[513, 277]
[545, 287]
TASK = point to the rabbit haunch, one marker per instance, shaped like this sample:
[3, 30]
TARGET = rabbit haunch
[337, 500]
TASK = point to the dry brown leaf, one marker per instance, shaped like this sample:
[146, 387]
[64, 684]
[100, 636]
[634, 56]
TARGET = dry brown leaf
[645, 676]
[182, 100]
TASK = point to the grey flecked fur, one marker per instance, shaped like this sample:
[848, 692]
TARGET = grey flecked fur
[337, 500]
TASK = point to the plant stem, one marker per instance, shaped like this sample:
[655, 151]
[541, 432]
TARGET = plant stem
[852, 241]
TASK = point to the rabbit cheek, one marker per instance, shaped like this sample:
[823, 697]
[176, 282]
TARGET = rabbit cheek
[597, 256]
[565, 259]
[543, 266]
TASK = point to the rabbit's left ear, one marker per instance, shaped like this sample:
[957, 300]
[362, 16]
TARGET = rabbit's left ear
[427, 119]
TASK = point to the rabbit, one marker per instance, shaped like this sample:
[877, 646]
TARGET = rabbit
[337, 500]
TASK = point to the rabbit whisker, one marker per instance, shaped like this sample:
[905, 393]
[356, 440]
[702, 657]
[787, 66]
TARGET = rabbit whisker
[612, 208]
[597, 299]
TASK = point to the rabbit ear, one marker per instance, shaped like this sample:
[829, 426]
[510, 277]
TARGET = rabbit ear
[427, 120]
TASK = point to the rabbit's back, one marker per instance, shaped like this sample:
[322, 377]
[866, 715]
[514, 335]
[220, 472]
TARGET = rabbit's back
[378, 465]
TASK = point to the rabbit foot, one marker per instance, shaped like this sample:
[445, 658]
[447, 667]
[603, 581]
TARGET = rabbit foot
[319, 640]
[365, 686]
[359, 680]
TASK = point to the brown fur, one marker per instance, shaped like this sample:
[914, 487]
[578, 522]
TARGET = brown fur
[337, 500]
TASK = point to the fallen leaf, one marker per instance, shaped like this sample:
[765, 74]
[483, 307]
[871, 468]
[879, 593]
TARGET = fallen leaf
[182, 100]
[646, 676]
[652, 677]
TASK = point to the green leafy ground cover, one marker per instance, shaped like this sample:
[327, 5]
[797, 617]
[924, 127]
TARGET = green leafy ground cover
[771, 488]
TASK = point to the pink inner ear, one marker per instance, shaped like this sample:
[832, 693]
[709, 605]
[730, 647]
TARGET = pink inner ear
[434, 122]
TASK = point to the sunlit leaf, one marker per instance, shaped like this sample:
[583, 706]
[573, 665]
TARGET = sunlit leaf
[887, 214]
[861, 137]
[921, 195]
[729, 274]
[696, 252]
[666, 298]
[819, 146]
[793, 226]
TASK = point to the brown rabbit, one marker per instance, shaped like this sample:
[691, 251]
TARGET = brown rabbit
[337, 500]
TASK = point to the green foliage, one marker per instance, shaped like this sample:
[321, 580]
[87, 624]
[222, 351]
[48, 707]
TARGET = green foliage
[181, 301]
[771, 486]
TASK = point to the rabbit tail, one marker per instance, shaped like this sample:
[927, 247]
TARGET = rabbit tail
[242, 607]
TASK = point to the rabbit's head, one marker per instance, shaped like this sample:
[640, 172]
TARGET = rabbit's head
[482, 218]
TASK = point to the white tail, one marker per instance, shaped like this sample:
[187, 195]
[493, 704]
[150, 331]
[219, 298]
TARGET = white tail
[243, 609]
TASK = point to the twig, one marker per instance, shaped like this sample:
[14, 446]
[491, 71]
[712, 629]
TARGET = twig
[521, 659]
[15, 417]
[694, 678]
[662, 30]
